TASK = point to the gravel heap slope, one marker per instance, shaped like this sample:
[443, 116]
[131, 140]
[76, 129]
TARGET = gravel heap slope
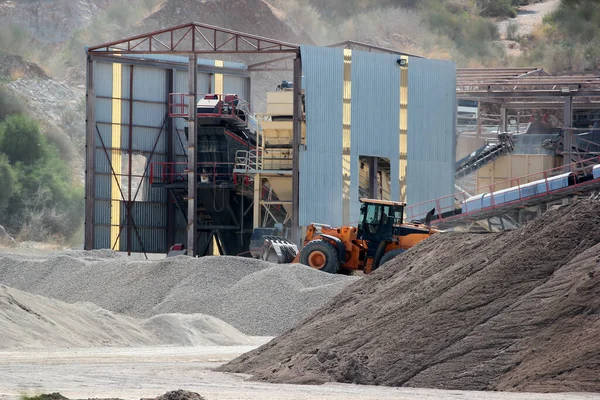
[31, 321]
[256, 297]
[516, 311]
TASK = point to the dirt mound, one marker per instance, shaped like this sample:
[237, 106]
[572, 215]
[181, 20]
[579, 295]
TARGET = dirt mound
[516, 311]
[31, 321]
[256, 297]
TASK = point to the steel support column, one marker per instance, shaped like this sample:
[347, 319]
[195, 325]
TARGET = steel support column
[503, 120]
[192, 155]
[171, 130]
[296, 141]
[130, 167]
[257, 201]
[90, 152]
[373, 186]
[568, 131]
[478, 118]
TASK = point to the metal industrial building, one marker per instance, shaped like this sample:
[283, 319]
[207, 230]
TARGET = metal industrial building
[148, 149]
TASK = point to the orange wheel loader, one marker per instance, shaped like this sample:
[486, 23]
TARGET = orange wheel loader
[380, 236]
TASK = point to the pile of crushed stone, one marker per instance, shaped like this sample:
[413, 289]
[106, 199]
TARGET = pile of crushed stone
[515, 311]
[256, 297]
[31, 321]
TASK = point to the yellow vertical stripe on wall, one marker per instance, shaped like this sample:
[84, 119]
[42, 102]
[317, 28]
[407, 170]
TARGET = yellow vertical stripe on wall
[403, 128]
[219, 78]
[115, 192]
[346, 135]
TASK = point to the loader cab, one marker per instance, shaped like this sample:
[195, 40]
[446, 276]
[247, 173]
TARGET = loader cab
[378, 218]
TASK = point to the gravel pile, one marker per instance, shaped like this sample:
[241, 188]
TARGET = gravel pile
[516, 311]
[257, 298]
[32, 321]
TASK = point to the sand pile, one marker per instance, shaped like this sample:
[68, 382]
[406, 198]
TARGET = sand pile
[257, 298]
[516, 311]
[28, 320]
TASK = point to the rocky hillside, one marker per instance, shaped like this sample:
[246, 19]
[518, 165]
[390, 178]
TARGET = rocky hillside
[51, 21]
[252, 16]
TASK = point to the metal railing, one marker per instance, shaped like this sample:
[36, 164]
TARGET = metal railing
[226, 106]
[247, 160]
[578, 174]
[174, 172]
[259, 160]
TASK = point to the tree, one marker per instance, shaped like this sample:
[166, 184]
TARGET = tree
[21, 140]
[8, 184]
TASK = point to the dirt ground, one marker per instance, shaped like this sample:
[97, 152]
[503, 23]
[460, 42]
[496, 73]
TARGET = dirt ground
[135, 373]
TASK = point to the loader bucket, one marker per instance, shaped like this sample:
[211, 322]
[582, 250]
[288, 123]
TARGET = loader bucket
[279, 250]
[267, 246]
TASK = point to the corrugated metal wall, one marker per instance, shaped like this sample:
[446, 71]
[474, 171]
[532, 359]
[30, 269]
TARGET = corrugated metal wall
[431, 131]
[149, 137]
[321, 161]
[375, 107]
[375, 128]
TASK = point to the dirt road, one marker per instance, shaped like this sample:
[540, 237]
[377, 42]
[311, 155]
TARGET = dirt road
[134, 373]
[529, 17]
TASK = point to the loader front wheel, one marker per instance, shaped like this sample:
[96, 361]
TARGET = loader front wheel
[320, 255]
[390, 255]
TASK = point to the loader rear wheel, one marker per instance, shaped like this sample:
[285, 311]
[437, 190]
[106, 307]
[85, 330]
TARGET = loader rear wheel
[320, 255]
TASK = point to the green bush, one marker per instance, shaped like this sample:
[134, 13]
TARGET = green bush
[497, 8]
[9, 103]
[42, 201]
[8, 183]
[569, 38]
[512, 30]
[21, 140]
[472, 35]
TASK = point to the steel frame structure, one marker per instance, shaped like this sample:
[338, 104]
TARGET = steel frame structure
[190, 40]
[531, 88]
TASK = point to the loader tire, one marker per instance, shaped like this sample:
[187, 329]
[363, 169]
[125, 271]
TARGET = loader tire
[320, 255]
[389, 256]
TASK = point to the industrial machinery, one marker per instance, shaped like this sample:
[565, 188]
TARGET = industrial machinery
[380, 236]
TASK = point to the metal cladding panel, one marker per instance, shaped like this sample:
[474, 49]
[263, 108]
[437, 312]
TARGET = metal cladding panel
[185, 60]
[149, 84]
[125, 84]
[144, 114]
[144, 139]
[181, 82]
[320, 189]
[103, 135]
[101, 237]
[375, 104]
[145, 240]
[146, 214]
[103, 73]
[102, 212]
[321, 161]
[102, 183]
[375, 115]
[236, 85]
[102, 163]
[103, 110]
[431, 130]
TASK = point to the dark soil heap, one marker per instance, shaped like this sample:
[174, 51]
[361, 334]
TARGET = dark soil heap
[516, 311]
